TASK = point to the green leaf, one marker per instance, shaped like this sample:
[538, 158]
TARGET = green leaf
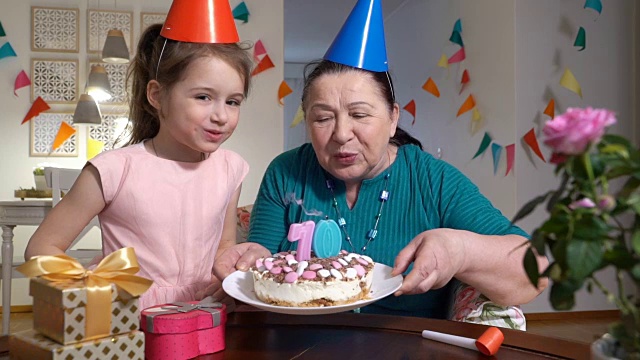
[590, 226]
[619, 257]
[531, 267]
[583, 258]
[616, 139]
[562, 295]
[557, 224]
[616, 149]
[635, 241]
[629, 187]
[635, 272]
[538, 242]
[529, 207]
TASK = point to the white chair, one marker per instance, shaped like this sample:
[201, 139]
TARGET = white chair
[60, 180]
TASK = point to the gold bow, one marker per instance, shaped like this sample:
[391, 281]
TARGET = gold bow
[118, 268]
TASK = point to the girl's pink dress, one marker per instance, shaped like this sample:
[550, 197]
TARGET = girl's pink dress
[170, 212]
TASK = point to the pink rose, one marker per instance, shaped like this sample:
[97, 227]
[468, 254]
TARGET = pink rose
[572, 132]
[582, 203]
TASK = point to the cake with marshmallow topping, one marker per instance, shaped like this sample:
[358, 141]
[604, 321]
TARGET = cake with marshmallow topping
[343, 279]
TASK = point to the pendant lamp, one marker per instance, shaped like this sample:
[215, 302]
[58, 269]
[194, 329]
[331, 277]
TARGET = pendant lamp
[87, 111]
[115, 49]
[98, 85]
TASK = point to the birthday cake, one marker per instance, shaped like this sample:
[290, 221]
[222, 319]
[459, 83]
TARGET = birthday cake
[336, 280]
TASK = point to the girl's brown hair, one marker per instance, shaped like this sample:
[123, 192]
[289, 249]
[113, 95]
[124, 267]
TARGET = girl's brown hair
[176, 57]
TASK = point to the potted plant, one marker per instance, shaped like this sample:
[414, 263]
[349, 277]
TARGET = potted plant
[593, 220]
[38, 176]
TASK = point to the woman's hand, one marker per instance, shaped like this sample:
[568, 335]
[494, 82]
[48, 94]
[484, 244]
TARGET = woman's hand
[214, 290]
[437, 256]
[238, 257]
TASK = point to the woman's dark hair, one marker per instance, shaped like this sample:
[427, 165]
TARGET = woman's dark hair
[316, 69]
[176, 58]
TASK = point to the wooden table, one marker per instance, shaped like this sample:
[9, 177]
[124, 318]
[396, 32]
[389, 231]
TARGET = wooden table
[12, 214]
[264, 335]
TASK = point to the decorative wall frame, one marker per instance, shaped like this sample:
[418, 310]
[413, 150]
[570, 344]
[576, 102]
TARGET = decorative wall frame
[150, 18]
[55, 80]
[54, 29]
[99, 22]
[107, 132]
[44, 129]
[117, 74]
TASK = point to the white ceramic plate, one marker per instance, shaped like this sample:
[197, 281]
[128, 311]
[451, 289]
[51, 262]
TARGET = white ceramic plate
[239, 285]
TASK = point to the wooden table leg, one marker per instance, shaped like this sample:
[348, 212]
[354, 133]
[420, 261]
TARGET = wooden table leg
[7, 264]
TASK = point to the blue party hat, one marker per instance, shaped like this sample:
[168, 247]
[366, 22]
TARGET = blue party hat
[360, 43]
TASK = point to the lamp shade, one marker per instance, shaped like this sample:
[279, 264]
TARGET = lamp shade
[87, 111]
[98, 83]
[115, 48]
[200, 21]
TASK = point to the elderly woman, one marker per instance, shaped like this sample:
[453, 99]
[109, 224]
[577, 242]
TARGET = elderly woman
[435, 225]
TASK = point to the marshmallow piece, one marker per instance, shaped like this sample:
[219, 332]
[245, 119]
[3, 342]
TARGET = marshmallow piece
[351, 273]
[324, 273]
[336, 274]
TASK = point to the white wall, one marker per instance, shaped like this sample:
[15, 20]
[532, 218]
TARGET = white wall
[258, 137]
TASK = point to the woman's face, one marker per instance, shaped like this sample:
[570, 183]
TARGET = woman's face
[350, 125]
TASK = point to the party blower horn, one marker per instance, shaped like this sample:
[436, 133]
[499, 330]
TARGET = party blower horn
[488, 343]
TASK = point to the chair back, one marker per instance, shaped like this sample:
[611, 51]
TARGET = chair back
[60, 180]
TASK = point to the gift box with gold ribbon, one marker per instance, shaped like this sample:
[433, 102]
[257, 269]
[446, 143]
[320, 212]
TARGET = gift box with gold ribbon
[73, 304]
[30, 345]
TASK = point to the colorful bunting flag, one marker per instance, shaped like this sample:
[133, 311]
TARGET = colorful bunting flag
[458, 26]
[6, 50]
[476, 122]
[2, 33]
[258, 49]
[550, 110]
[511, 157]
[298, 117]
[486, 140]
[263, 65]
[464, 81]
[241, 12]
[475, 115]
[496, 151]
[22, 80]
[411, 109]
[570, 82]
[468, 104]
[283, 91]
[431, 87]
[457, 57]
[531, 140]
[94, 147]
[443, 62]
[581, 39]
[64, 132]
[594, 4]
[456, 38]
[37, 107]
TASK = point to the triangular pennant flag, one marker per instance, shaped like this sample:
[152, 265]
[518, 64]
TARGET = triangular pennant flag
[570, 82]
[456, 38]
[431, 87]
[486, 140]
[2, 33]
[37, 107]
[468, 104]
[511, 157]
[594, 4]
[64, 132]
[22, 80]
[581, 39]
[411, 109]
[283, 91]
[531, 140]
[476, 125]
[6, 50]
[241, 12]
[443, 62]
[263, 65]
[94, 147]
[258, 49]
[457, 57]
[299, 116]
[496, 151]
[550, 110]
[475, 114]
[458, 26]
[464, 81]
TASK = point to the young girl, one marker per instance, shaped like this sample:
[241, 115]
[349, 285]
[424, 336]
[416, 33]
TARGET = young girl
[171, 194]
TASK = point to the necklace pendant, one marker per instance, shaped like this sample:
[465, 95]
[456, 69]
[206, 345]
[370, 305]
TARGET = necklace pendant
[384, 195]
[372, 234]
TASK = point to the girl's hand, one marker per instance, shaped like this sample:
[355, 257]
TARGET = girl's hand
[238, 257]
[437, 256]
